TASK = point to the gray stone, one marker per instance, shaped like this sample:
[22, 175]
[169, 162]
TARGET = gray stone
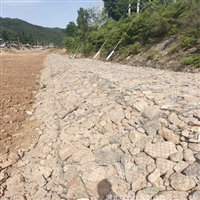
[76, 189]
[193, 170]
[169, 195]
[144, 142]
[151, 167]
[40, 194]
[194, 146]
[66, 151]
[197, 156]
[147, 193]
[151, 112]
[160, 149]
[120, 170]
[55, 197]
[181, 182]
[83, 155]
[136, 136]
[152, 178]
[185, 133]
[107, 157]
[125, 144]
[195, 195]
[180, 166]
[152, 127]
[142, 159]
[138, 182]
[117, 114]
[169, 135]
[41, 181]
[173, 118]
[188, 156]
[176, 157]
[49, 185]
[140, 106]
[164, 122]
[46, 171]
[134, 151]
[164, 165]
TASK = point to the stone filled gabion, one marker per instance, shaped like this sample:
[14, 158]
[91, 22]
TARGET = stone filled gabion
[111, 130]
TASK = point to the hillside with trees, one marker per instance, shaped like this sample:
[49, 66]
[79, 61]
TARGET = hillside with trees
[133, 35]
[24, 32]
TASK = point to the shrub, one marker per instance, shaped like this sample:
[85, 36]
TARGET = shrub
[187, 42]
[192, 60]
[135, 48]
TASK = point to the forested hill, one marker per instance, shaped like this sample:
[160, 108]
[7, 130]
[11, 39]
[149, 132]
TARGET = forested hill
[12, 29]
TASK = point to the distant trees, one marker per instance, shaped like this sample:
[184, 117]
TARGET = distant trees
[5, 36]
[21, 37]
[25, 38]
[19, 30]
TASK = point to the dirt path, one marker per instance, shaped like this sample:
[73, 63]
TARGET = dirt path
[19, 74]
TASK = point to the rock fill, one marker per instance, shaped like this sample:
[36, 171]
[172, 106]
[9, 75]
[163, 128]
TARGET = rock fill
[111, 131]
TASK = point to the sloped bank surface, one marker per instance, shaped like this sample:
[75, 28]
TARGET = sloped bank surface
[111, 130]
[168, 54]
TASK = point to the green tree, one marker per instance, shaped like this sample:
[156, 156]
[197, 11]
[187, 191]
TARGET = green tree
[71, 29]
[23, 38]
[83, 19]
[97, 18]
[88, 20]
[117, 8]
[155, 4]
[5, 36]
[30, 39]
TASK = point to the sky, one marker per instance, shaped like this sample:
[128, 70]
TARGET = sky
[46, 13]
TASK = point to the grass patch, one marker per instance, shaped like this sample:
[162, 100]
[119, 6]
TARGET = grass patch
[187, 42]
[192, 60]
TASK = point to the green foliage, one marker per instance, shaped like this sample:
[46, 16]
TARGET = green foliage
[71, 29]
[192, 60]
[69, 43]
[88, 21]
[158, 19]
[28, 33]
[118, 8]
[135, 48]
[175, 49]
[174, 29]
[152, 55]
[187, 42]
[190, 17]
[5, 35]
[83, 19]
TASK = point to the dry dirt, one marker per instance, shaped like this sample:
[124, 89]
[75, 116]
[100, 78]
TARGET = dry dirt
[19, 74]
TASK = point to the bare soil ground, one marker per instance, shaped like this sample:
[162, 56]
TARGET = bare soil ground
[19, 75]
